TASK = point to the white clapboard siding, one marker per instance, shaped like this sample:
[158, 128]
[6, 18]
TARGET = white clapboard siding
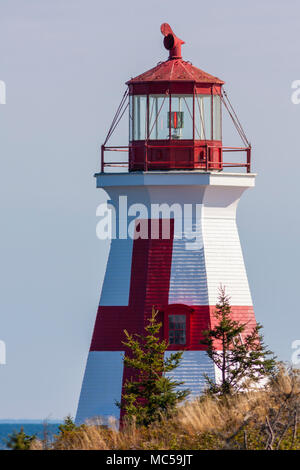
[224, 261]
[102, 385]
[192, 370]
[116, 284]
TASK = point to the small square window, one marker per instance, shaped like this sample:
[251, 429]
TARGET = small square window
[177, 329]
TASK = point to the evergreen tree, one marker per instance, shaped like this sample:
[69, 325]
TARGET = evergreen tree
[243, 360]
[69, 434]
[19, 440]
[149, 394]
[68, 425]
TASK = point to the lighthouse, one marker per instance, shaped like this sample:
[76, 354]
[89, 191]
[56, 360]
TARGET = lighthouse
[174, 240]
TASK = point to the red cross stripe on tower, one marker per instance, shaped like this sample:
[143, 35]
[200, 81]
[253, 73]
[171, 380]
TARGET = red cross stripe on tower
[149, 286]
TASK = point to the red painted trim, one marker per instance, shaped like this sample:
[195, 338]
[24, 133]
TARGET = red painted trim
[160, 88]
[170, 153]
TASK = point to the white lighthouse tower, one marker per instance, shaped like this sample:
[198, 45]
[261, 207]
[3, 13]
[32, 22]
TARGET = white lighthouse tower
[175, 239]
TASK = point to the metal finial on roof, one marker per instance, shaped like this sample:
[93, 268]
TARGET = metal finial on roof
[171, 42]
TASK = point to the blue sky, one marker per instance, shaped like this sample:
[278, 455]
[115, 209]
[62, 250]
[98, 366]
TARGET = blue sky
[65, 64]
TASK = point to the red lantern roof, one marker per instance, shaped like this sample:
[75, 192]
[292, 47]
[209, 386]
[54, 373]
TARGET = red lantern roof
[176, 70]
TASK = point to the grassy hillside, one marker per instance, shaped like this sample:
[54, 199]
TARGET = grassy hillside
[264, 419]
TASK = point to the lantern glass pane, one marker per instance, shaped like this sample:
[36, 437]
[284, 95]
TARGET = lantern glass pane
[139, 117]
[159, 107]
[203, 130]
[217, 130]
[182, 117]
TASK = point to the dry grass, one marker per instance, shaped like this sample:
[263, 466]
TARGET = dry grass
[264, 419]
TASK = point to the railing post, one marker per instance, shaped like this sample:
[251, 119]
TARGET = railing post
[146, 157]
[102, 158]
[249, 159]
[221, 158]
[207, 156]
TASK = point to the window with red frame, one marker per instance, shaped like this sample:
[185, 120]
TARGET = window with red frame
[177, 329]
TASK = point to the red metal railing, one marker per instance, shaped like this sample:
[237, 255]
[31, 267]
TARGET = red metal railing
[206, 162]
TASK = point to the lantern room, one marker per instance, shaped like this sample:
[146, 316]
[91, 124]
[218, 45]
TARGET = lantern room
[175, 117]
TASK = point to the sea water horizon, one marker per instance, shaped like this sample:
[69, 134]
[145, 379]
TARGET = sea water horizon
[36, 427]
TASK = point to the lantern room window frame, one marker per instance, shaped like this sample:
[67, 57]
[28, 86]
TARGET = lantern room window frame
[151, 121]
[177, 309]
